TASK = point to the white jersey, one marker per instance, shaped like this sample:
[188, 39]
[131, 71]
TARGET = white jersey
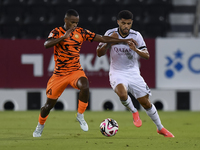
[123, 58]
[124, 66]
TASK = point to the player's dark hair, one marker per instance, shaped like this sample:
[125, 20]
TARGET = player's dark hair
[71, 12]
[125, 14]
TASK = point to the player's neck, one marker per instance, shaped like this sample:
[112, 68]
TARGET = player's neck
[65, 27]
[123, 35]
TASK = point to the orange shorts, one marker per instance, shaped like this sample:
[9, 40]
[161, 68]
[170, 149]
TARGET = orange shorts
[57, 84]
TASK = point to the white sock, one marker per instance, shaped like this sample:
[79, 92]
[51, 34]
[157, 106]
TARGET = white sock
[153, 114]
[129, 105]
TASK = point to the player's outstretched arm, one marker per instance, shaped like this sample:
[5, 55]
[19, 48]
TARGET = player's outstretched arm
[51, 42]
[108, 39]
[142, 53]
[103, 47]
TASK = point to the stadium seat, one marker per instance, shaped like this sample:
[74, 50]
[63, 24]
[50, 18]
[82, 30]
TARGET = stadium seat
[59, 10]
[34, 19]
[134, 3]
[38, 10]
[74, 3]
[12, 2]
[60, 2]
[106, 22]
[13, 7]
[47, 29]
[107, 10]
[159, 2]
[38, 7]
[162, 7]
[95, 15]
[38, 2]
[155, 26]
[87, 19]
[84, 3]
[86, 10]
[13, 19]
[33, 32]
[33, 26]
[9, 31]
[56, 21]
[16, 10]
[110, 2]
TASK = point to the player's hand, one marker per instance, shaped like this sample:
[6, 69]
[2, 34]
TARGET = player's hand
[68, 32]
[115, 35]
[132, 45]
[134, 41]
[127, 41]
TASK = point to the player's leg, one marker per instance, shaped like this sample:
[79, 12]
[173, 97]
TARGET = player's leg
[44, 112]
[78, 80]
[83, 86]
[150, 110]
[121, 91]
[55, 87]
[153, 114]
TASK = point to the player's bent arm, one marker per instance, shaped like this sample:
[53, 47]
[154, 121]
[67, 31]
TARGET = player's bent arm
[143, 53]
[102, 49]
[51, 42]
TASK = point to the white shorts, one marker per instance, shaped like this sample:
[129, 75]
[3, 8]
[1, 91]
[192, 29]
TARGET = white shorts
[134, 83]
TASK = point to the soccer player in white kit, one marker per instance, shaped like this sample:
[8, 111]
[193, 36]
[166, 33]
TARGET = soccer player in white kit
[124, 71]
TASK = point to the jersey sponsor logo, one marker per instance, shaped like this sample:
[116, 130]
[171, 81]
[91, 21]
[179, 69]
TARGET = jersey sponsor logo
[122, 51]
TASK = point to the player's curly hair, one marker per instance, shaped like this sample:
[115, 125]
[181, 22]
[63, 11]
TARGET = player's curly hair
[125, 14]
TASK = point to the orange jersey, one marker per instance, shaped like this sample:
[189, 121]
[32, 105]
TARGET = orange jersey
[66, 53]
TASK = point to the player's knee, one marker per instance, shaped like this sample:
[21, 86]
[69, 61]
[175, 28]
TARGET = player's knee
[123, 96]
[144, 101]
[146, 105]
[83, 84]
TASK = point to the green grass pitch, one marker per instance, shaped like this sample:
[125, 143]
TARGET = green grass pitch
[62, 131]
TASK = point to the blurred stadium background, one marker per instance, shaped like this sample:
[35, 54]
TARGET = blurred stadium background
[25, 19]
[168, 27]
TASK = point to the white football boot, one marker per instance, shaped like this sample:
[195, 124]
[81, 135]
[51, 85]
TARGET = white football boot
[83, 123]
[38, 130]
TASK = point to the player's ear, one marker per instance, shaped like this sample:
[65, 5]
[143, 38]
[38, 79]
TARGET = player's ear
[118, 22]
[65, 19]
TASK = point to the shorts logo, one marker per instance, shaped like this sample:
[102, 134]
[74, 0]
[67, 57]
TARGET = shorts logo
[49, 92]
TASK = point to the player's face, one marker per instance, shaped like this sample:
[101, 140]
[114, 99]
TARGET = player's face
[124, 26]
[71, 22]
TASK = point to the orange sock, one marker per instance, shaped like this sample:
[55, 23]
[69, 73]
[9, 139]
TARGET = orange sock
[42, 120]
[82, 107]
